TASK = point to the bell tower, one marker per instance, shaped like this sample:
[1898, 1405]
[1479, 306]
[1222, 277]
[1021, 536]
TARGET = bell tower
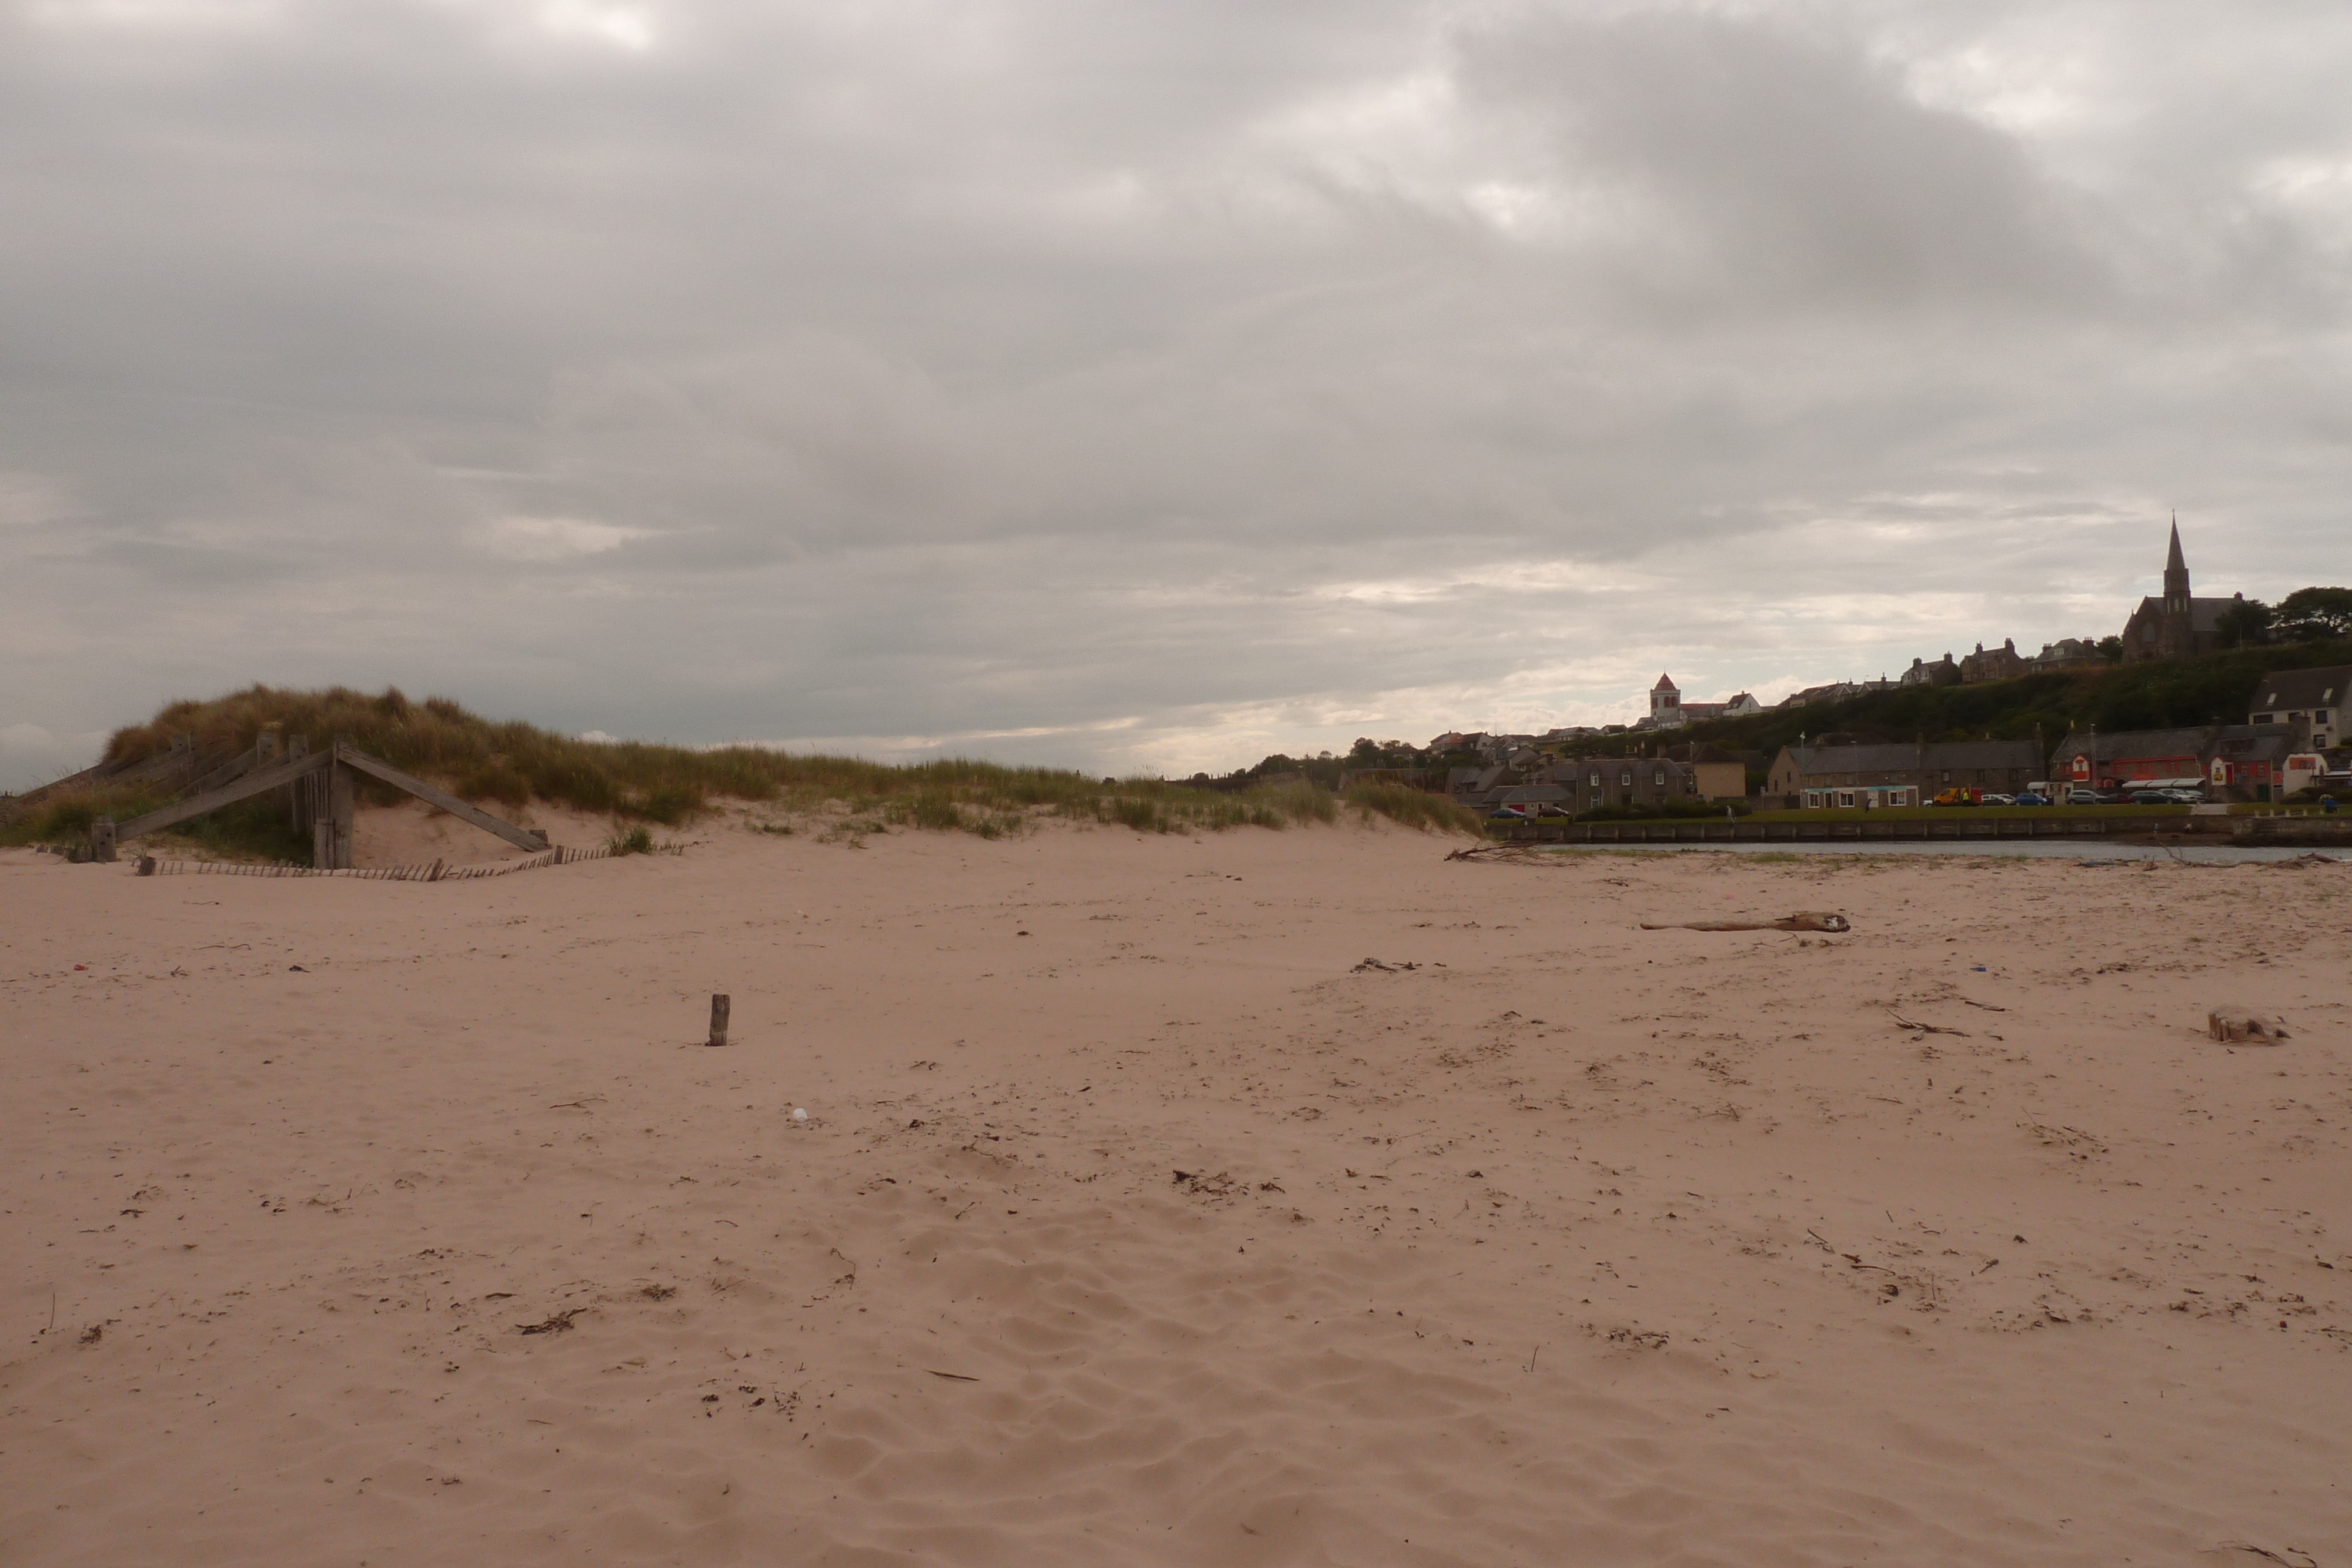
[1665, 704]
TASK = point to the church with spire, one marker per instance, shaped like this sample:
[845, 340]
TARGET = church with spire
[2178, 624]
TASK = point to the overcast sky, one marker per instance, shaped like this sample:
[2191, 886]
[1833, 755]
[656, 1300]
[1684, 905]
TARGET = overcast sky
[1141, 386]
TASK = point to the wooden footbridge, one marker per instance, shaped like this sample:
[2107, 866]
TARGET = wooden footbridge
[317, 787]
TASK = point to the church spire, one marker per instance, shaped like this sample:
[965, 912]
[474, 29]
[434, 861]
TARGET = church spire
[2176, 574]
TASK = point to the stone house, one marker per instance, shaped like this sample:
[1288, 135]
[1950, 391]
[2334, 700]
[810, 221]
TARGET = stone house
[1860, 777]
[2310, 703]
[1593, 781]
[2066, 654]
[2001, 664]
[1942, 673]
[1721, 774]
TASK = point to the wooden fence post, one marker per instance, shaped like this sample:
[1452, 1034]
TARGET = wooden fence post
[101, 840]
[302, 796]
[719, 1003]
[331, 824]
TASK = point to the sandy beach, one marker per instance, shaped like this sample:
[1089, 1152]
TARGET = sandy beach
[1136, 1219]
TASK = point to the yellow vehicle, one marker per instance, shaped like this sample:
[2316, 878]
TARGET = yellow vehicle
[1958, 796]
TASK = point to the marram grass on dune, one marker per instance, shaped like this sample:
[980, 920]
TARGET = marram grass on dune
[512, 764]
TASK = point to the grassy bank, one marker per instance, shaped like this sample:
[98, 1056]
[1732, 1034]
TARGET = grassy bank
[510, 764]
[2212, 688]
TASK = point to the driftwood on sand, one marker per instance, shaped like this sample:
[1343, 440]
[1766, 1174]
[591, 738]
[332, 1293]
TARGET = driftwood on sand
[1804, 920]
[2242, 1024]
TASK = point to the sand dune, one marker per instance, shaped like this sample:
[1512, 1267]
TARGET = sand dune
[1134, 1223]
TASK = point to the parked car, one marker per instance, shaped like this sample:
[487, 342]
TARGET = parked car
[2151, 797]
[1506, 814]
[2079, 796]
[2184, 797]
[1998, 800]
[2031, 798]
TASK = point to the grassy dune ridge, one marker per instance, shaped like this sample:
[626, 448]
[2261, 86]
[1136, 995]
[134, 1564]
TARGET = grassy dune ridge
[510, 764]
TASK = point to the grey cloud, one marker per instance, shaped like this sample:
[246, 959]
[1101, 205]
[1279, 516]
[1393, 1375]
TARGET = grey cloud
[1152, 377]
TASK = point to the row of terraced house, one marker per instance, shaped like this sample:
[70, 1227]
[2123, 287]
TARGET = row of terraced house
[2293, 739]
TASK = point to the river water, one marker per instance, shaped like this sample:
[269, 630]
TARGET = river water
[2018, 849]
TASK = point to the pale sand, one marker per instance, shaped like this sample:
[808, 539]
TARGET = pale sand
[414, 833]
[1575, 1244]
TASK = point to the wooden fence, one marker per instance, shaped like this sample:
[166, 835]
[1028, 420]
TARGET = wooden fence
[438, 870]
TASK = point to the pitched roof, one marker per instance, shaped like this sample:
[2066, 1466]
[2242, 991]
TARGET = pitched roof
[2200, 740]
[1702, 751]
[2268, 740]
[1903, 756]
[2204, 615]
[2323, 687]
[1665, 685]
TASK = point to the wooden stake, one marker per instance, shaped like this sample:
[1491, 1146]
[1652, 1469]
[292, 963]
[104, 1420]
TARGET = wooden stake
[719, 1005]
[299, 795]
[101, 840]
[339, 816]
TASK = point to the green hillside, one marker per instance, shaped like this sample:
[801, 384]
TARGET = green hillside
[2212, 688]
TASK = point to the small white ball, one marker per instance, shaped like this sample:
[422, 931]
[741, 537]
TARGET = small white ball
[799, 1114]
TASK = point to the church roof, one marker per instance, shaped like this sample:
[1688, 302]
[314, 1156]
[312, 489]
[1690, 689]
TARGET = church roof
[2172, 560]
[2204, 615]
[1665, 685]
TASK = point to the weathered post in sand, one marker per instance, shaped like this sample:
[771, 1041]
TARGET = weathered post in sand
[330, 834]
[302, 793]
[719, 1004]
[101, 840]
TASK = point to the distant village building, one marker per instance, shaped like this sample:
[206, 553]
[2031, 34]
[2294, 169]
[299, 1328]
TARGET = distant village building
[1836, 692]
[2226, 761]
[1999, 664]
[1942, 673]
[1595, 781]
[2178, 624]
[2066, 654]
[1668, 711]
[1472, 786]
[2309, 703]
[1665, 705]
[1721, 774]
[1862, 776]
